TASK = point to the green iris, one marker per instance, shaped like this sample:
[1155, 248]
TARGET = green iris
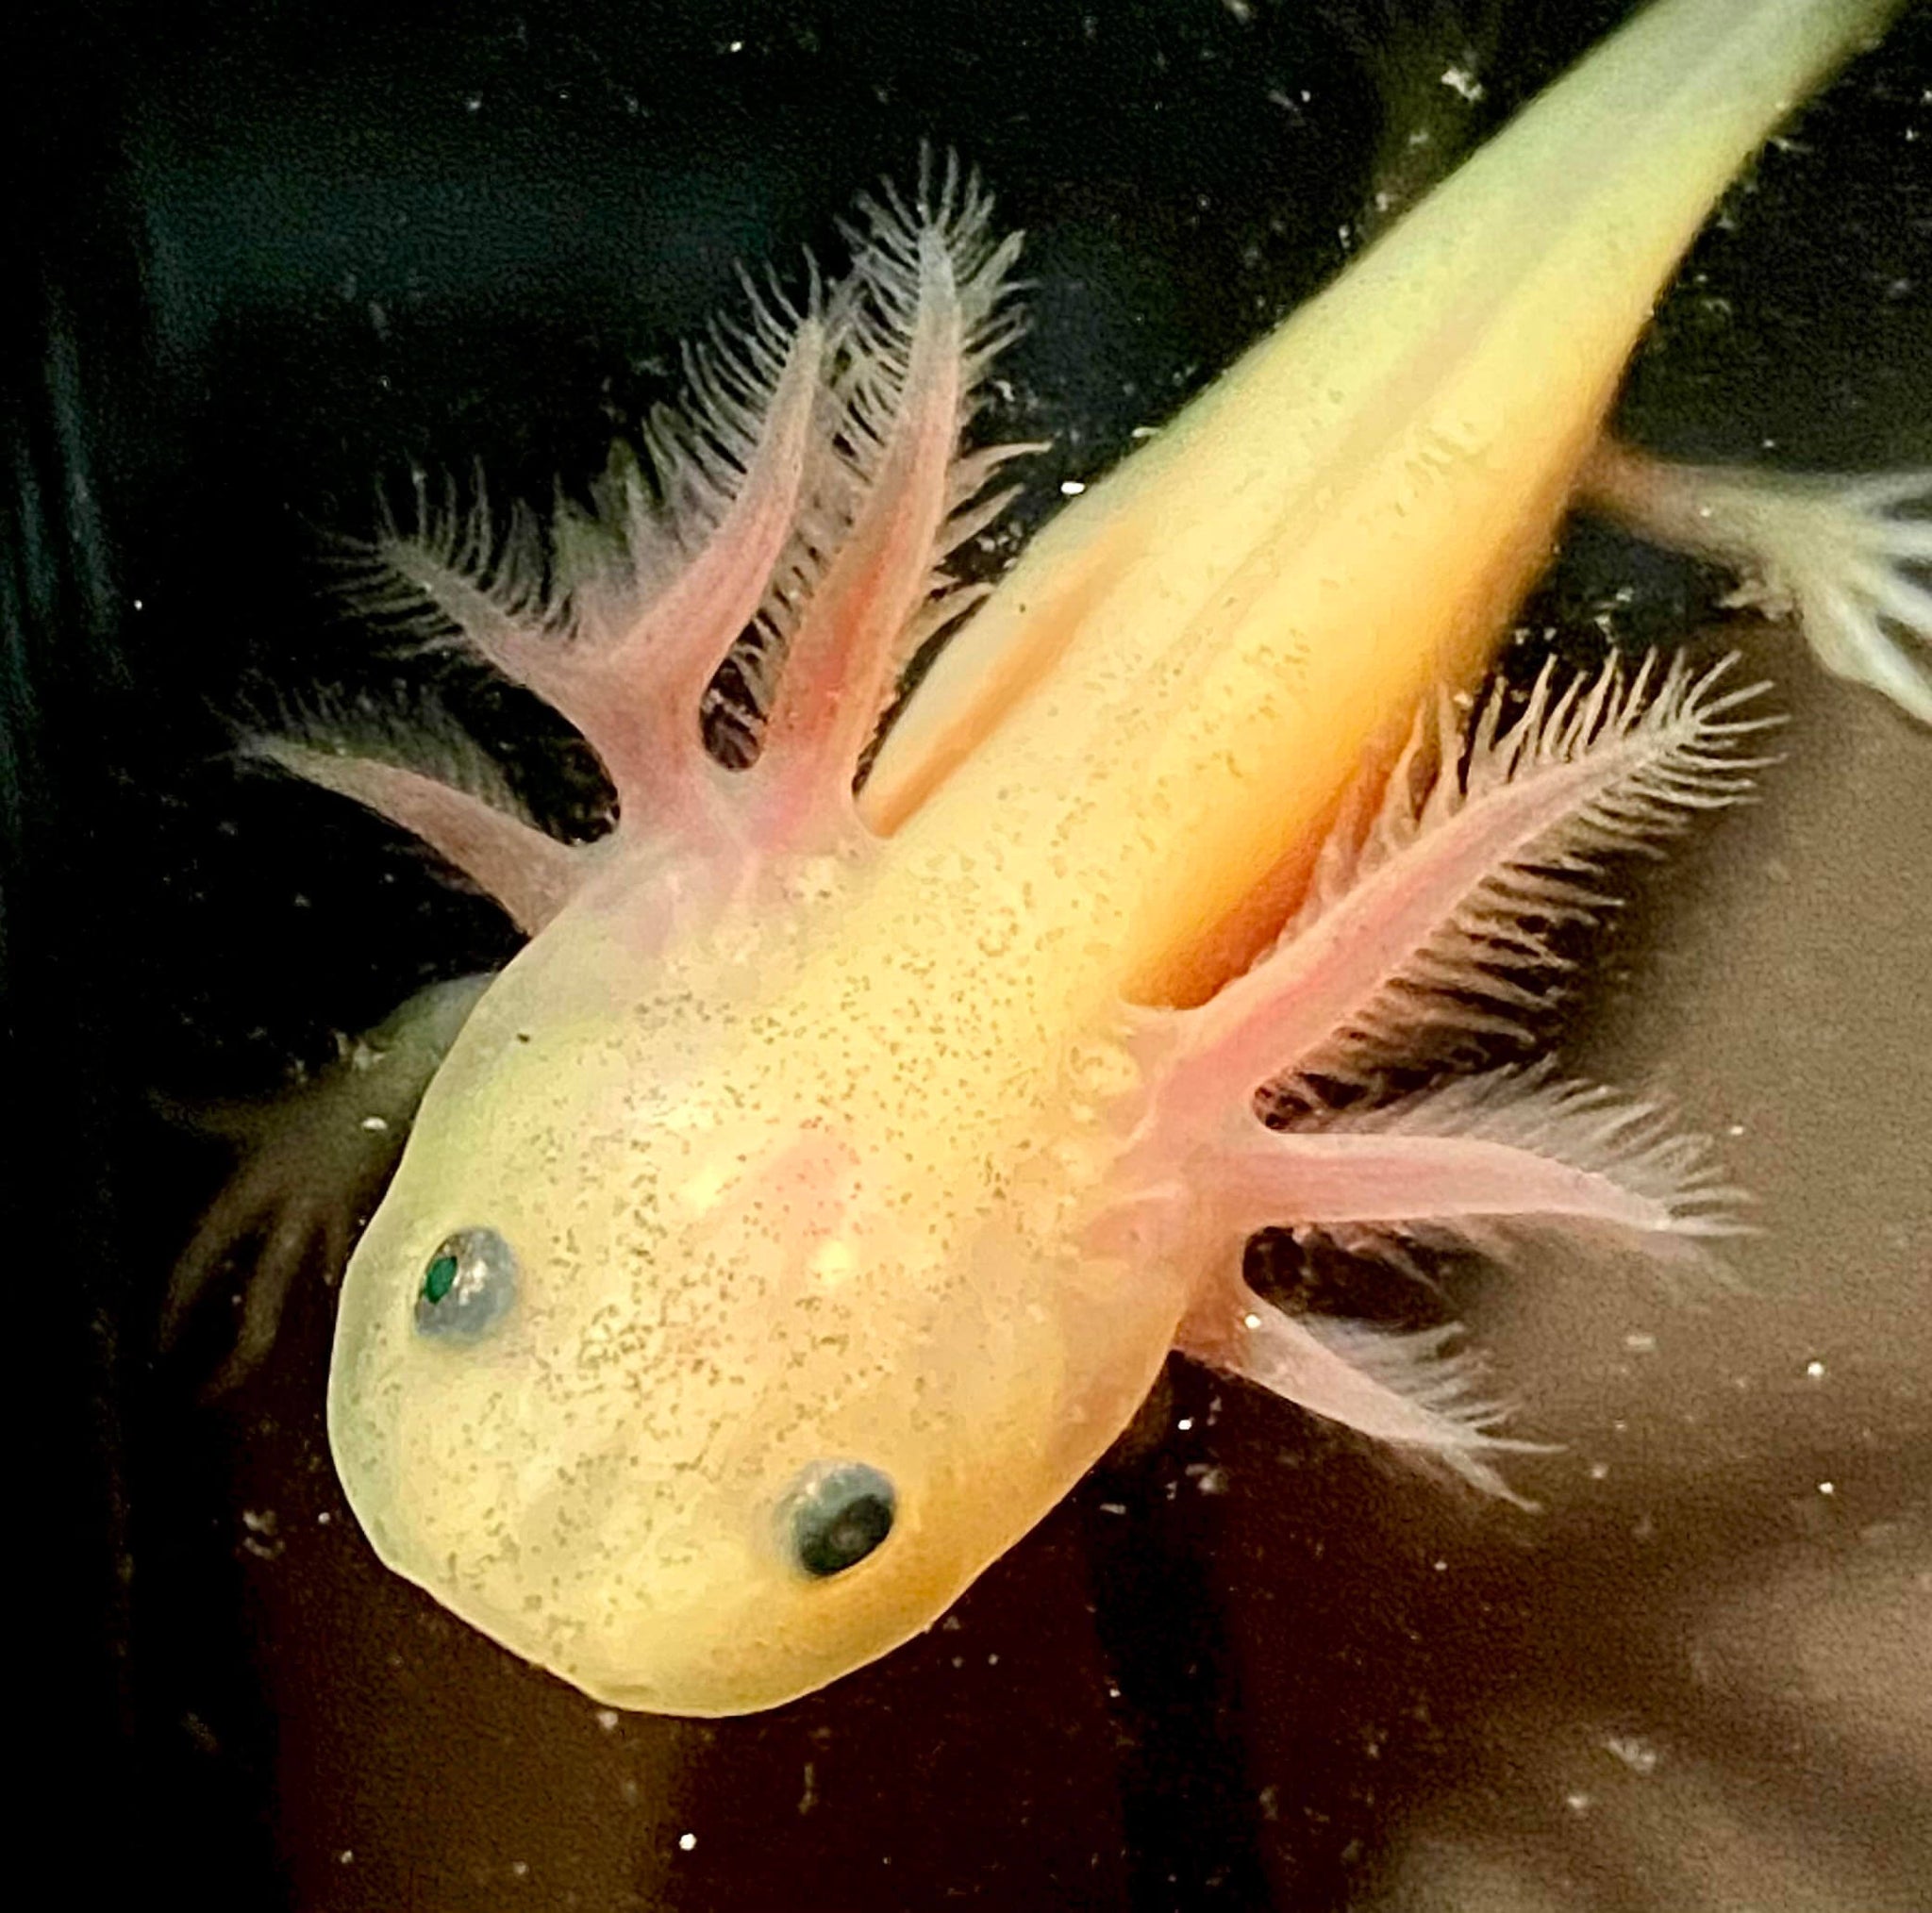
[440, 1277]
[468, 1282]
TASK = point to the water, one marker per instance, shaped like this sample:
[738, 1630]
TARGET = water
[1247, 1664]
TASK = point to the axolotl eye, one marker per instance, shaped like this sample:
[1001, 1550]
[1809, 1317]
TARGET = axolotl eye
[468, 1282]
[837, 1513]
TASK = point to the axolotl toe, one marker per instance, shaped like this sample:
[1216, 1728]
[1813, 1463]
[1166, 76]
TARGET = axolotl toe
[821, 1189]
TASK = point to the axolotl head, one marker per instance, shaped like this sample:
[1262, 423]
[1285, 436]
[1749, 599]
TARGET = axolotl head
[698, 1394]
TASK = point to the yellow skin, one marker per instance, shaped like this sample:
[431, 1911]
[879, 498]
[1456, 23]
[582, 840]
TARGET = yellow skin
[822, 1132]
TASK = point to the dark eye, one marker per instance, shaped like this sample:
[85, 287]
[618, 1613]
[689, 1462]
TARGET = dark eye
[837, 1514]
[467, 1284]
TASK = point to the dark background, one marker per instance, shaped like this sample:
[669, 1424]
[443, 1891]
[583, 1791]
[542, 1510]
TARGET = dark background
[266, 256]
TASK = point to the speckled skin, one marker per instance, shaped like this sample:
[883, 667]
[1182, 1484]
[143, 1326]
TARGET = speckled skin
[837, 1147]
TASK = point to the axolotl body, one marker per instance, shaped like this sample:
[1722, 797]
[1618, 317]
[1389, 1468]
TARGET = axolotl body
[821, 1189]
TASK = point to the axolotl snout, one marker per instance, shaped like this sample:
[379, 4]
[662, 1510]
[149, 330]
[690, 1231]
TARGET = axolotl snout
[792, 1330]
[819, 1192]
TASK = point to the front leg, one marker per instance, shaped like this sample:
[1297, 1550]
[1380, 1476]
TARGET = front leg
[1833, 554]
[311, 1165]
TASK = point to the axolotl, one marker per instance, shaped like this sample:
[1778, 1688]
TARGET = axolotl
[821, 1188]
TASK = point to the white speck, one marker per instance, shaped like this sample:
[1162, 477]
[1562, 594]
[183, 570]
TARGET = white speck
[1184, 1424]
[1640, 1756]
[1599, 1470]
[1827, 1488]
[520, 1869]
[1113, 1508]
[137, 604]
[686, 1842]
[1463, 83]
[377, 1124]
[607, 1719]
[472, 103]
[1440, 1567]
[346, 1857]
[1577, 1803]
[322, 1519]
[1815, 1369]
[1735, 1129]
[1639, 1343]
[993, 1660]
[734, 47]
[1251, 1321]
[1071, 488]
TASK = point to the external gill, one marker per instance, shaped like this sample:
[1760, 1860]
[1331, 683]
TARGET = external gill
[1173, 687]
[925, 322]
[1438, 910]
[797, 520]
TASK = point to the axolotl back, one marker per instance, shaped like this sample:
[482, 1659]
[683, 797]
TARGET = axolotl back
[820, 1191]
